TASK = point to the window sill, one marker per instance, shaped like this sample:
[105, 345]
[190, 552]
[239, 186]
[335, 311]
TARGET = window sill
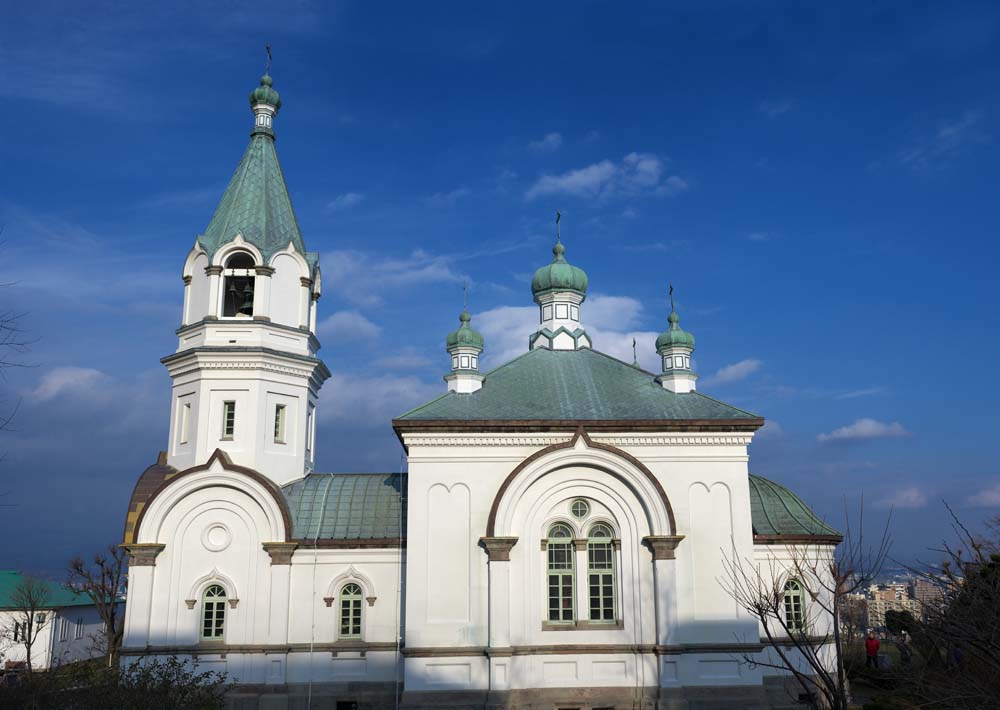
[225, 438]
[583, 625]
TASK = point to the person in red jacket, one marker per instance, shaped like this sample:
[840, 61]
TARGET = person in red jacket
[871, 651]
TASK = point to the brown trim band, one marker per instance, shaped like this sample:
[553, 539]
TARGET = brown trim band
[220, 455]
[210, 649]
[797, 539]
[580, 432]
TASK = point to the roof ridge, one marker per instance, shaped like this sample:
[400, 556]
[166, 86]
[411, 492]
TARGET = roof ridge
[629, 365]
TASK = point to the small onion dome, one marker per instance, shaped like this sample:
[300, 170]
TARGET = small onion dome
[675, 336]
[560, 275]
[264, 94]
[464, 336]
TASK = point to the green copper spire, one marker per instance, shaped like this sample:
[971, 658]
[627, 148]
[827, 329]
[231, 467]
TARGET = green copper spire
[560, 275]
[256, 203]
[465, 335]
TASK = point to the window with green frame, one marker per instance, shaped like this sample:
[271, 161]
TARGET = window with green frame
[601, 572]
[213, 612]
[794, 605]
[560, 552]
[350, 611]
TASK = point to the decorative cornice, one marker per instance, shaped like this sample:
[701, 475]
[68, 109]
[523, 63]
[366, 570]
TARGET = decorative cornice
[280, 552]
[580, 544]
[677, 440]
[187, 280]
[521, 440]
[662, 546]
[797, 539]
[498, 548]
[264, 270]
[215, 270]
[143, 554]
[305, 281]
[371, 600]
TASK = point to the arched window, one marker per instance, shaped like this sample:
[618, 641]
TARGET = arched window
[601, 572]
[794, 605]
[237, 295]
[560, 572]
[213, 612]
[350, 611]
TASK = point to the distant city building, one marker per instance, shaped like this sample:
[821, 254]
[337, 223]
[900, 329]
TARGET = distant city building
[926, 592]
[68, 627]
[878, 607]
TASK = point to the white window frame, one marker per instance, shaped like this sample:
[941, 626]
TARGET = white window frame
[350, 612]
[64, 629]
[213, 613]
[792, 592]
[556, 575]
[606, 569]
[78, 632]
[228, 420]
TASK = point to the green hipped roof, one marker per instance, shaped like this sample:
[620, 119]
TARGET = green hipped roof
[256, 204]
[583, 385]
[775, 510]
[353, 506]
[58, 597]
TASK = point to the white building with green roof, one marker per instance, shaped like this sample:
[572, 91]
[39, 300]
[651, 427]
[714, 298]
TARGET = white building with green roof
[559, 539]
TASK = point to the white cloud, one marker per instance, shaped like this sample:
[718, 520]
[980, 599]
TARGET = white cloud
[910, 497]
[759, 237]
[865, 428]
[447, 199]
[986, 498]
[770, 430]
[548, 144]
[950, 140]
[362, 277]
[373, 401]
[854, 394]
[772, 108]
[733, 373]
[348, 325]
[635, 174]
[409, 358]
[345, 201]
[71, 381]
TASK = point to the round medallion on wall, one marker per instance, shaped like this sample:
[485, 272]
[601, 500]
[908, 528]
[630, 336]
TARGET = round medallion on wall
[216, 537]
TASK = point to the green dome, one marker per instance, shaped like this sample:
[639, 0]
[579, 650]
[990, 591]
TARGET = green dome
[560, 275]
[464, 336]
[264, 94]
[674, 336]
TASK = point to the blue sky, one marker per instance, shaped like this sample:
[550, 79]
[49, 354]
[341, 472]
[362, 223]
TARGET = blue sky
[819, 183]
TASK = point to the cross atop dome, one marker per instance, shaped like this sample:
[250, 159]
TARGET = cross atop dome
[674, 346]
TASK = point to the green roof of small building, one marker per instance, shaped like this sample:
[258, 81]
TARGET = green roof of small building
[775, 510]
[560, 275]
[256, 203]
[347, 506]
[465, 335]
[58, 595]
[674, 336]
[578, 385]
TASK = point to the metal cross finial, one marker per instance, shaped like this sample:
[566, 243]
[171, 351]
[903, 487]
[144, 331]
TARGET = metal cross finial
[635, 358]
[465, 295]
[558, 233]
[671, 297]
[267, 67]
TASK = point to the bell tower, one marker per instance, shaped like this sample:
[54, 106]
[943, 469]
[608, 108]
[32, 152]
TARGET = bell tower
[246, 375]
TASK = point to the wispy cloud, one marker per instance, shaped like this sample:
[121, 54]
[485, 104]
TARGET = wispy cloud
[909, 497]
[348, 325]
[854, 394]
[772, 108]
[194, 197]
[345, 201]
[942, 146]
[865, 428]
[372, 401]
[408, 358]
[548, 144]
[447, 199]
[733, 373]
[759, 237]
[349, 273]
[636, 174]
[986, 498]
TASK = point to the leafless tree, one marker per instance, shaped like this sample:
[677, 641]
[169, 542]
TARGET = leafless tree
[959, 635]
[29, 604]
[103, 581]
[808, 644]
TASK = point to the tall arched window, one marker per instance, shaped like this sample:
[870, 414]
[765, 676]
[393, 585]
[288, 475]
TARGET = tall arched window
[794, 605]
[601, 572]
[213, 612]
[560, 572]
[237, 295]
[350, 611]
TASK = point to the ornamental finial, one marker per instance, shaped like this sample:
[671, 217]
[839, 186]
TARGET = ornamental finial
[558, 234]
[267, 67]
[671, 292]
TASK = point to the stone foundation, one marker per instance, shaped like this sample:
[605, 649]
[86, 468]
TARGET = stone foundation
[775, 694]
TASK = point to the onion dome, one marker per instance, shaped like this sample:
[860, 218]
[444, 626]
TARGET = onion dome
[675, 336]
[465, 336]
[265, 94]
[560, 275]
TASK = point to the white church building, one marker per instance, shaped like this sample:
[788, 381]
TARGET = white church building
[557, 541]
